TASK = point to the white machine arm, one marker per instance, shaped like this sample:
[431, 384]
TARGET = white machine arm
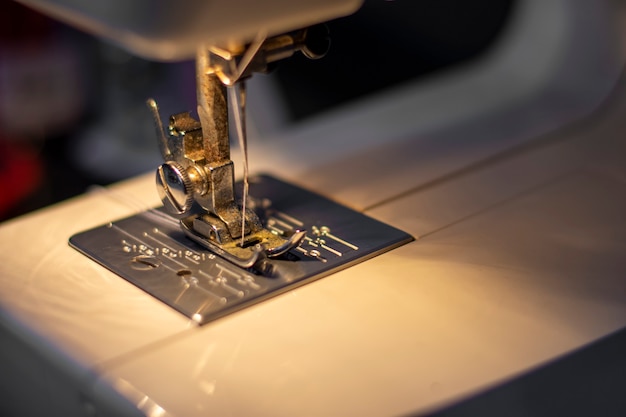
[172, 30]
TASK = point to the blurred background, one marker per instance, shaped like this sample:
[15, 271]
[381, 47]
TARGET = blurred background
[72, 108]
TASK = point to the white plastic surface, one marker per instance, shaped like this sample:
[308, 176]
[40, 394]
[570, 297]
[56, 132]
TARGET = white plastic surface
[172, 30]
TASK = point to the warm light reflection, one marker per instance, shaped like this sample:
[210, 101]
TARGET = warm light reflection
[156, 411]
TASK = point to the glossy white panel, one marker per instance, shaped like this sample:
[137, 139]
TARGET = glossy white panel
[430, 322]
[60, 296]
[172, 30]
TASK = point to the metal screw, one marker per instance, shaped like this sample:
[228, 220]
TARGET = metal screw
[174, 187]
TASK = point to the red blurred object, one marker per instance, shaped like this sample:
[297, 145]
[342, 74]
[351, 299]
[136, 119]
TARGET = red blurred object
[21, 168]
[20, 174]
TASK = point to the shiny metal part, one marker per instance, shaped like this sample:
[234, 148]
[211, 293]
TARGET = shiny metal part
[175, 187]
[150, 250]
[239, 111]
[233, 65]
[196, 181]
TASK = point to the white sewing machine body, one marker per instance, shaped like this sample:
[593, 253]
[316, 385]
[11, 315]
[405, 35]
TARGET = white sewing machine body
[510, 173]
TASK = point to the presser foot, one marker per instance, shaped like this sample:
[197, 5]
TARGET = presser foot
[252, 253]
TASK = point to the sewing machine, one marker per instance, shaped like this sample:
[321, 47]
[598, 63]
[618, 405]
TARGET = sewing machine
[509, 175]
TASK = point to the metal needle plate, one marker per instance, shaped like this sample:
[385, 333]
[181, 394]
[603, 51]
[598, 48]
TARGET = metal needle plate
[150, 250]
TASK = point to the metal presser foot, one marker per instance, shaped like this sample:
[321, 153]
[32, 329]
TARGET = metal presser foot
[196, 185]
[196, 182]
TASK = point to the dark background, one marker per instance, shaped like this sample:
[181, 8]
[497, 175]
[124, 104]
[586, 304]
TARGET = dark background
[63, 92]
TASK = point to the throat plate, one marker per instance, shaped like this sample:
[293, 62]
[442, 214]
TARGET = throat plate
[151, 251]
